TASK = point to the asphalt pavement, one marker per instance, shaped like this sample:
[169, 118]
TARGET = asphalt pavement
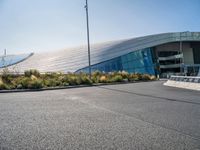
[139, 116]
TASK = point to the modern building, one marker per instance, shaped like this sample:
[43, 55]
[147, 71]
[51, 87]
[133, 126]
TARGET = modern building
[165, 53]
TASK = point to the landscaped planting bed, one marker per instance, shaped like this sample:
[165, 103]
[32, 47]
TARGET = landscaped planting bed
[33, 79]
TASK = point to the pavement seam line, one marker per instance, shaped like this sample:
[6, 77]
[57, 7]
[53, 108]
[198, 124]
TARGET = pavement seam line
[145, 95]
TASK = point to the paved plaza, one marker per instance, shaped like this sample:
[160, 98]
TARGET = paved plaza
[126, 116]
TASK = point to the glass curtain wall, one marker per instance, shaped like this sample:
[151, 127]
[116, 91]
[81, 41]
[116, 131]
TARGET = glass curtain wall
[139, 61]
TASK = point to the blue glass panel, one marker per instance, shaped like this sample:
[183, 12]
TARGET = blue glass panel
[129, 57]
[12, 59]
[138, 61]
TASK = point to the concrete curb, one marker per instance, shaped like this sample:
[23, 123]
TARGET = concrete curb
[68, 87]
[183, 85]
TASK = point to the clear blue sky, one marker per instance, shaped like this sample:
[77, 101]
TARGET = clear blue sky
[45, 25]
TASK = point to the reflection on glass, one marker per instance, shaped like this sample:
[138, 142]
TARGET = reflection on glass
[12, 59]
[135, 62]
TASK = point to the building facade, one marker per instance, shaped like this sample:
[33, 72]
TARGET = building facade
[167, 53]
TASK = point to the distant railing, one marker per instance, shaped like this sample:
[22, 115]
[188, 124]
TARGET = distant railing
[185, 79]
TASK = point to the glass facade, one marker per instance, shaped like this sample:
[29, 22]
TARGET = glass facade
[140, 61]
[12, 59]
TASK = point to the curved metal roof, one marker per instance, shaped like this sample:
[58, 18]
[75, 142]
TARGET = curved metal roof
[70, 60]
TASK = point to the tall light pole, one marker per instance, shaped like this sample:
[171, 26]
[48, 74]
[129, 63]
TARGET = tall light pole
[5, 52]
[3, 57]
[88, 37]
[181, 52]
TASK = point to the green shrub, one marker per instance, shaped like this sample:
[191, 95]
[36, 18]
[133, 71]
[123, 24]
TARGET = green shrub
[73, 80]
[65, 84]
[52, 79]
[82, 78]
[4, 86]
[25, 82]
[133, 77]
[8, 77]
[52, 83]
[49, 83]
[46, 75]
[19, 86]
[61, 78]
[139, 76]
[30, 72]
[1, 81]
[95, 79]
[27, 73]
[146, 77]
[28, 83]
[124, 74]
[55, 75]
[33, 77]
[96, 76]
[103, 79]
[86, 80]
[35, 84]
[96, 73]
[16, 81]
[153, 77]
[117, 78]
